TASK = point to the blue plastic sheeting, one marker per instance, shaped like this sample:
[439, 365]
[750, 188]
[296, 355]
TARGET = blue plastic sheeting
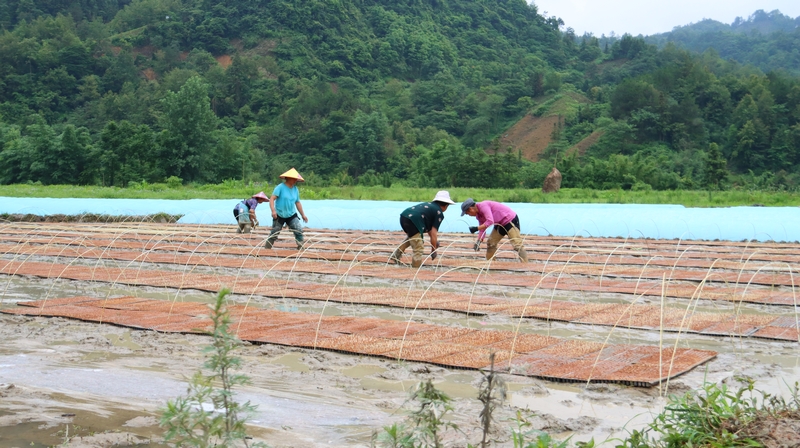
[599, 220]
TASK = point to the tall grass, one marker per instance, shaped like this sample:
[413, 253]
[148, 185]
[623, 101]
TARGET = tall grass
[236, 190]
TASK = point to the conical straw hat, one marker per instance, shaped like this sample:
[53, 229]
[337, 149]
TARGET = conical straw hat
[292, 173]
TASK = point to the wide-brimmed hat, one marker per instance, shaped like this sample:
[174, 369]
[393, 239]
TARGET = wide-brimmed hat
[292, 173]
[466, 205]
[443, 196]
[261, 196]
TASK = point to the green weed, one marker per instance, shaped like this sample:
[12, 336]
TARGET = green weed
[523, 436]
[209, 416]
[424, 425]
[716, 417]
[492, 393]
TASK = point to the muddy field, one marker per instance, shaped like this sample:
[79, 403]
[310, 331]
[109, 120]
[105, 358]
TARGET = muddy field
[75, 383]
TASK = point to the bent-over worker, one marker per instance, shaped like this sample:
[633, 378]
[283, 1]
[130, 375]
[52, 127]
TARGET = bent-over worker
[504, 220]
[245, 212]
[418, 220]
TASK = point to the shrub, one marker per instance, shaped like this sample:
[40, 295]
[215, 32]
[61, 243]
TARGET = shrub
[174, 182]
[208, 416]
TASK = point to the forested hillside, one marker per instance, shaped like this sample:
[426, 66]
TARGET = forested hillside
[769, 41]
[114, 92]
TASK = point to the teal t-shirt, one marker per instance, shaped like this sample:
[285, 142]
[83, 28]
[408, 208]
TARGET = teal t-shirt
[287, 197]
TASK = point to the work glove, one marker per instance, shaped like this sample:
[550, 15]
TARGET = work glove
[477, 246]
[433, 254]
[473, 229]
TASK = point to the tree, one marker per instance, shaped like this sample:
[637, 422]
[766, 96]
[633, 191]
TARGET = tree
[632, 95]
[16, 157]
[72, 150]
[127, 153]
[46, 150]
[716, 167]
[122, 70]
[188, 123]
[364, 142]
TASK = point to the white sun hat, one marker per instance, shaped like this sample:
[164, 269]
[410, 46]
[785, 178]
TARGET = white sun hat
[443, 196]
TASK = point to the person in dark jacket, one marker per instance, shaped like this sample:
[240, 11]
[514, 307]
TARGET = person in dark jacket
[418, 220]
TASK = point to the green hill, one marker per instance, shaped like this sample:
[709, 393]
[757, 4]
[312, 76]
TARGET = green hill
[768, 41]
[430, 94]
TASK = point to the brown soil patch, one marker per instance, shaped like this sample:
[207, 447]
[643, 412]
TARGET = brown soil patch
[224, 60]
[775, 431]
[149, 74]
[582, 146]
[531, 135]
[116, 50]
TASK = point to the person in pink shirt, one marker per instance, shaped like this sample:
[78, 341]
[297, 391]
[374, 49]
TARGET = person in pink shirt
[504, 220]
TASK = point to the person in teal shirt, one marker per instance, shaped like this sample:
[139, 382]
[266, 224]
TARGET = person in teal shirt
[418, 220]
[285, 204]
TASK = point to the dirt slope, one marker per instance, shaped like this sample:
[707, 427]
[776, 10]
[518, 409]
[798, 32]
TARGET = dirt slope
[531, 135]
[585, 144]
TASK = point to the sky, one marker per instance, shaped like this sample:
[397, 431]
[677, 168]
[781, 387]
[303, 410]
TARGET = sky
[648, 17]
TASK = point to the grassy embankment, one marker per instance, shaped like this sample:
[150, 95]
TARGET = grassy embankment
[399, 193]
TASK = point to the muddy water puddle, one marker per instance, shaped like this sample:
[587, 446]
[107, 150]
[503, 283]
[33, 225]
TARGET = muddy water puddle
[85, 427]
[293, 362]
[113, 386]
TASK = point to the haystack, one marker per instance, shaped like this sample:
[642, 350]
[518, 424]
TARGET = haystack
[552, 183]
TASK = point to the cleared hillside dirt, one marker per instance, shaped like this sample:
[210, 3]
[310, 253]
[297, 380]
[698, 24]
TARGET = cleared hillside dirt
[582, 146]
[531, 135]
[224, 60]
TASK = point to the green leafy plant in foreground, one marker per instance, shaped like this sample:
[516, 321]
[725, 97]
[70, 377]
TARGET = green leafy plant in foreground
[424, 425]
[716, 417]
[523, 436]
[491, 393]
[209, 415]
